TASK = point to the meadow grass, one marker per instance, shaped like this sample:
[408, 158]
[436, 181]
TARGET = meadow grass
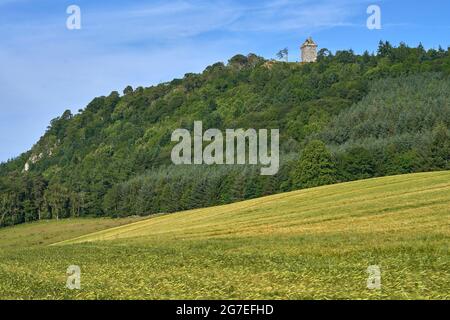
[309, 244]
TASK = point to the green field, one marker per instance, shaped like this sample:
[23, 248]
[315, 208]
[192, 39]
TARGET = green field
[310, 244]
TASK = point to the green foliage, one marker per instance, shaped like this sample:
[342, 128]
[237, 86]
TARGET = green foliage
[316, 167]
[308, 244]
[128, 90]
[175, 189]
[377, 114]
[356, 164]
[440, 147]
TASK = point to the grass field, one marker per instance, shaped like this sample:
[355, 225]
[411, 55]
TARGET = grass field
[310, 244]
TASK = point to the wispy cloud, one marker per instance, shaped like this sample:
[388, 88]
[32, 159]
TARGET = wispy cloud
[284, 15]
[168, 21]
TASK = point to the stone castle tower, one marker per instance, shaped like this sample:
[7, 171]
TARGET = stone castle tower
[309, 51]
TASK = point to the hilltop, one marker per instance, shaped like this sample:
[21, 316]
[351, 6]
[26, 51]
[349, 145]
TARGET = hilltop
[345, 117]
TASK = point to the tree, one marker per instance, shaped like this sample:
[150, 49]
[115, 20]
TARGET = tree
[128, 90]
[440, 147]
[8, 208]
[76, 203]
[5, 207]
[238, 61]
[198, 193]
[38, 190]
[384, 49]
[56, 196]
[316, 166]
[283, 54]
[357, 164]
[323, 54]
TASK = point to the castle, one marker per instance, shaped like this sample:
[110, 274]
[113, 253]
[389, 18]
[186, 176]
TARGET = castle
[309, 51]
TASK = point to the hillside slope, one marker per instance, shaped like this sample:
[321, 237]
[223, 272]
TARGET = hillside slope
[394, 204]
[44, 233]
[310, 244]
[375, 114]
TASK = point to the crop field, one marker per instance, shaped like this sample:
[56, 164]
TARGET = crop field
[309, 244]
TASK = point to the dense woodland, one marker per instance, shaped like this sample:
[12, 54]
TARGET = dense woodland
[344, 118]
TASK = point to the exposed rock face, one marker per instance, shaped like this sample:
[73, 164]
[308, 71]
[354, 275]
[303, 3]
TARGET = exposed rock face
[35, 158]
[309, 51]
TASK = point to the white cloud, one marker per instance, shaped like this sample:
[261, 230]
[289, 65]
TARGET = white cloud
[169, 21]
[291, 15]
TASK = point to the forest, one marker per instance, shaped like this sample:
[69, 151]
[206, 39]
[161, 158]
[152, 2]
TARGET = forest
[346, 117]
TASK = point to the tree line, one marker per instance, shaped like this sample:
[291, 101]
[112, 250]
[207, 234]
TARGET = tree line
[346, 117]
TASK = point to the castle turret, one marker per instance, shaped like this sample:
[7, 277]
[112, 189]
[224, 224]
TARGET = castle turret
[309, 51]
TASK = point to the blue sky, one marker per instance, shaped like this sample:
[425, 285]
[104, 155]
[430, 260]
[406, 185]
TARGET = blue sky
[46, 68]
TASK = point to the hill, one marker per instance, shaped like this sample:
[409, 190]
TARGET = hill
[308, 244]
[363, 116]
